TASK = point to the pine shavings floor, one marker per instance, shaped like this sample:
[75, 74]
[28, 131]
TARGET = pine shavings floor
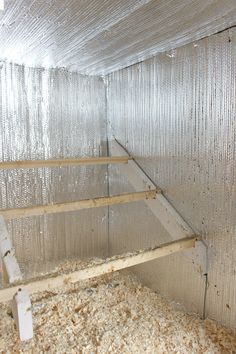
[112, 314]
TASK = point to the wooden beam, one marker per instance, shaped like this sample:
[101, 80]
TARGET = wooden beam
[168, 216]
[110, 265]
[22, 313]
[10, 267]
[21, 304]
[9, 165]
[79, 205]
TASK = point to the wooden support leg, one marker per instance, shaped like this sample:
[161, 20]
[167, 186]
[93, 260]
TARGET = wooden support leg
[10, 268]
[12, 272]
[21, 305]
[21, 309]
[5, 279]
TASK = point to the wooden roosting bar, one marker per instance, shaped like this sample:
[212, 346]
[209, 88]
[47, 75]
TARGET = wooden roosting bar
[183, 237]
[78, 205]
[108, 266]
[9, 165]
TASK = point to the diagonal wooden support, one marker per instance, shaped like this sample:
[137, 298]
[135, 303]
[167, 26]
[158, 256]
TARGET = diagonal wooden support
[162, 209]
[10, 267]
[21, 304]
[108, 266]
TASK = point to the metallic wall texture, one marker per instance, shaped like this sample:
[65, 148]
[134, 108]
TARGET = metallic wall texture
[53, 114]
[100, 36]
[175, 114]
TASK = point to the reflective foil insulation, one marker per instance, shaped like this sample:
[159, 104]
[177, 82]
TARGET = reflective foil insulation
[175, 114]
[53, 114]
[96, 37]
[160, 77]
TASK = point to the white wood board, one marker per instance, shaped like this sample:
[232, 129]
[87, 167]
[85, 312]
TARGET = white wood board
[161, 208]
[21, 308]
[11, 269]
[21, 304]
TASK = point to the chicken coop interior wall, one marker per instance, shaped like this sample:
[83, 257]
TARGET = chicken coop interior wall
[53, 114]
[175, 114]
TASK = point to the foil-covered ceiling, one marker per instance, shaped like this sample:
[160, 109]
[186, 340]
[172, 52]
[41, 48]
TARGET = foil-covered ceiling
[97, 37]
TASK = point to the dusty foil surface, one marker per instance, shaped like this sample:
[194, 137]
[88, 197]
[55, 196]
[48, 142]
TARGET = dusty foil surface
[176, 114]
[112, 314]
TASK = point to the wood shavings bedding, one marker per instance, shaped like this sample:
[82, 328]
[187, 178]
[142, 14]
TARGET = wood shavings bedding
[112, 314]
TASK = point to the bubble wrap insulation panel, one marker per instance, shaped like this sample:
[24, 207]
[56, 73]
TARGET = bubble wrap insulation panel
[176, 114]
[52, 114]
[100, 36]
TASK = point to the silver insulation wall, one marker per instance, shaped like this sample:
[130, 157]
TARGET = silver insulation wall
[175, 114]
[52, 114]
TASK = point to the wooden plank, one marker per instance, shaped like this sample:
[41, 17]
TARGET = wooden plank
[64, 162]
[21, 305]
[170, 219]
[5, 242]
[10, 266]
[110, 265]
[21, 309]
[78, 205]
